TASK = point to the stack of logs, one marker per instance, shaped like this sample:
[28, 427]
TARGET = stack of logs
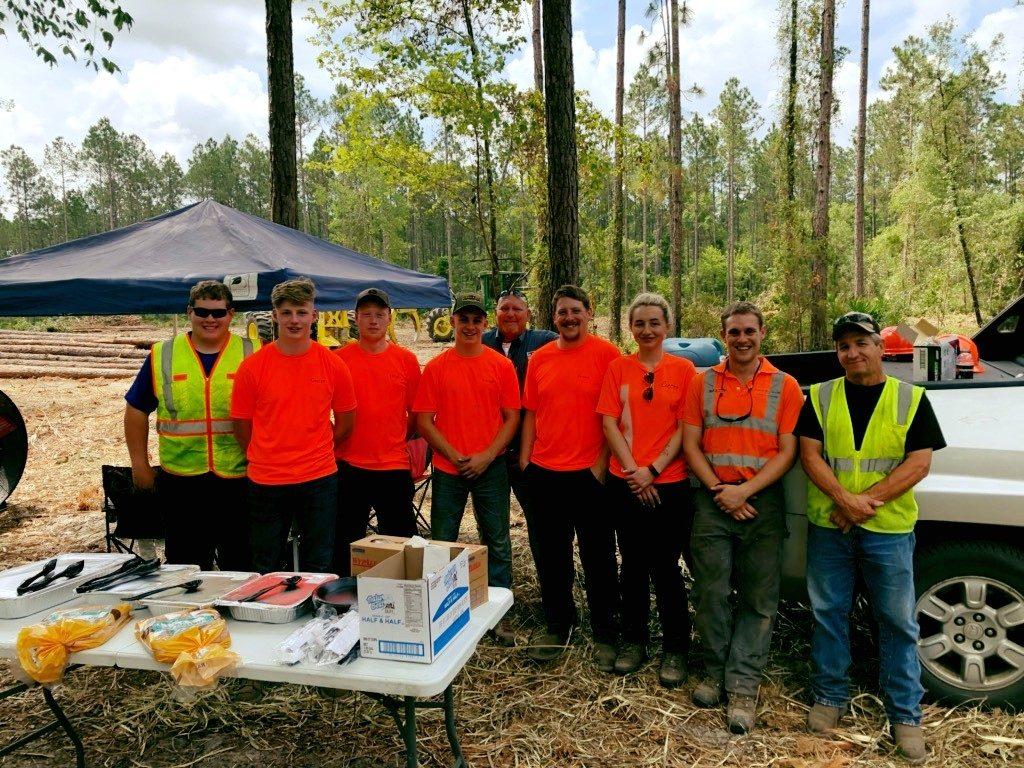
[109, 354]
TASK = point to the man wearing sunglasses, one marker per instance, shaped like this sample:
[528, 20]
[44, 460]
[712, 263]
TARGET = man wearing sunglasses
[515, 341]
[738, 441]
[188, 381]
[865, 441]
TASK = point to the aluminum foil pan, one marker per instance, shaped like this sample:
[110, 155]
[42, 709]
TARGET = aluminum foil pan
[278, 606]
[14, 606]
[215, 585]
[164, 576]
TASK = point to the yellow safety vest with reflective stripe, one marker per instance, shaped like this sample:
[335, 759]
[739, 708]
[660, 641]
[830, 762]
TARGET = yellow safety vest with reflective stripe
[193, 416]
[882, 450]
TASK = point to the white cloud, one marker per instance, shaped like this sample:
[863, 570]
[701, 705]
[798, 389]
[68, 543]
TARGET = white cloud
[1008, 22]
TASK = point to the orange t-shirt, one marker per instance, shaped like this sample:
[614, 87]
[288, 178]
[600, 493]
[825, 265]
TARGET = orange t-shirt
[466, 396]
[385, 385]
[647, 425]
[732, 399]
[289, 399]
[562, 389]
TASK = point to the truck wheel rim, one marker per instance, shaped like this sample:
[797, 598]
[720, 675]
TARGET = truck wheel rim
[442, 326]
[972, 633]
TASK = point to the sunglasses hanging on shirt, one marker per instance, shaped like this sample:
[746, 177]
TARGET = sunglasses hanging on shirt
[648, 394]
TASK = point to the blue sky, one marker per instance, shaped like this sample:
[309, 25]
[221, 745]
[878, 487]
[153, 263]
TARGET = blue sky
[194, 68]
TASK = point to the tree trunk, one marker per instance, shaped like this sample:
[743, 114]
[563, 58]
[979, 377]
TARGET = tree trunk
[675, 198]
[730, 249]
[284, 193]
[563, 179]
[618, 204]
[485, 130]
[538, 49]
[822, 179]
[643, 238]
[791, 106]
[862, 108]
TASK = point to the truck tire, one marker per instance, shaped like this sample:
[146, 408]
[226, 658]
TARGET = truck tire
[439, 325]
[262, 323]
[970, 606]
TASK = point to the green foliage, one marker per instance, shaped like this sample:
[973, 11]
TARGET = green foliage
[71, 27]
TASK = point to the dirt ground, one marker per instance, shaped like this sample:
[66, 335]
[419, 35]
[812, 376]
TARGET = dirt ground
[510, 712]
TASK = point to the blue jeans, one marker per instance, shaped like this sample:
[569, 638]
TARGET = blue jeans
[886, 561]
[449, 494]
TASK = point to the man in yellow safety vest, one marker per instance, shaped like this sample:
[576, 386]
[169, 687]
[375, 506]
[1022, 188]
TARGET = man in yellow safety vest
[865, 441]
[187, 380]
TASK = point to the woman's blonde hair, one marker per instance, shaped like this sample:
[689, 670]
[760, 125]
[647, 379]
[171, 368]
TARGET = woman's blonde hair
[651, 300]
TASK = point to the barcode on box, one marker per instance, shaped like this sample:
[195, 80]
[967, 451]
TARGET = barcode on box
[395, 648]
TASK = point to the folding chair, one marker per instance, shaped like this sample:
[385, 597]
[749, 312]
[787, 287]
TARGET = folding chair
[132, 513]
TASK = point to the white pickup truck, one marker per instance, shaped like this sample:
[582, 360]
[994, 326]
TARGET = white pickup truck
[969, 565]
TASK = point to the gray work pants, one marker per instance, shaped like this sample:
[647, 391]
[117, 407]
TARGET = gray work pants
[747, 555]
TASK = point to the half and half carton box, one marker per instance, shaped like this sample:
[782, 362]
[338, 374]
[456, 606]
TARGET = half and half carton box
[408, 615]
[369, 551]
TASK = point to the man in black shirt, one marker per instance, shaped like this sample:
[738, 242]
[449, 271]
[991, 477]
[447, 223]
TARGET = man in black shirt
[517, 342]
[865, 441]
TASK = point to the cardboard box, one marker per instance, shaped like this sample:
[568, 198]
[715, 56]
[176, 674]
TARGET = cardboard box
[367, 552]
[934, 361]
[406, 615]
[915, 329]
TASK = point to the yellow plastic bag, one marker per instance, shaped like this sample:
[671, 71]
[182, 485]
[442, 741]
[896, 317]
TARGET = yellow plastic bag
[44, 648]
[194, 642]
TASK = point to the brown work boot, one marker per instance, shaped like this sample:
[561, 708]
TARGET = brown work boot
[673, 669]
[547, 647]
[604, 657]
[822, 718]
[708, 693]
[630, 659]
[504, 635]
[910, 743]
[741, 713]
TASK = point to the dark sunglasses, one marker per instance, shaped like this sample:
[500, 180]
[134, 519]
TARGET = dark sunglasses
[206, 312]
[648, 394]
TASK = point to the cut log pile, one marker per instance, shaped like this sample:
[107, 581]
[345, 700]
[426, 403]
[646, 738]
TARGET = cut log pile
[100, 355]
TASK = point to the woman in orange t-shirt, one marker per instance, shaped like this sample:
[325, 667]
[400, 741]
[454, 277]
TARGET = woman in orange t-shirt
[641, 406]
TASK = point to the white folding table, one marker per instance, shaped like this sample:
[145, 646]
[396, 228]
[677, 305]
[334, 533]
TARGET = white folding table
[400, 687]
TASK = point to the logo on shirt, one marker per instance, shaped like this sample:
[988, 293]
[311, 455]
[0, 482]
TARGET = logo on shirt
[318, 380]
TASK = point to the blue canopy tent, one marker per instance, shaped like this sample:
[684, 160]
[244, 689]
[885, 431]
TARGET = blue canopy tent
[148, 267]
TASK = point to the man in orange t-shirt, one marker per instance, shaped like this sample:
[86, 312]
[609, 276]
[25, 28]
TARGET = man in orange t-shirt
[467, 408]
[564, 459]
[738, 440]
[373, 463]
[281, 405]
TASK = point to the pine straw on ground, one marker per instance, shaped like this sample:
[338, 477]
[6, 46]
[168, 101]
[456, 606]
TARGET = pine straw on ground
[510, 712]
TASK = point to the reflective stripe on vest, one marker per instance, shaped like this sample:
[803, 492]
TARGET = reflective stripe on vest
[767, 424]
[196, 432]
[882, 450]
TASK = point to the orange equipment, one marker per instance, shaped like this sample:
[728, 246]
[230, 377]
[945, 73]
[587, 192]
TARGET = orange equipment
[967, 345]
[894, 345]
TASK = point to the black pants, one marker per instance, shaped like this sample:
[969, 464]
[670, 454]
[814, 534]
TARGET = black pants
[517, 480]
[271, 510]
[651, 541]
[388, 492]
[567, 505]
[205, 518]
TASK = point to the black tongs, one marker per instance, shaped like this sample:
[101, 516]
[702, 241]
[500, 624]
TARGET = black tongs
[130, 569]
[46, 576]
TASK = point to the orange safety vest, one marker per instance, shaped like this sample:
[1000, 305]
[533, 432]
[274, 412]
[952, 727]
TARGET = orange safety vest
[737, 450]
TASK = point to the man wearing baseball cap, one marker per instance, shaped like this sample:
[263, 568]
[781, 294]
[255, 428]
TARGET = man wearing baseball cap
[866, 440]
[467, 408]
[373, 463]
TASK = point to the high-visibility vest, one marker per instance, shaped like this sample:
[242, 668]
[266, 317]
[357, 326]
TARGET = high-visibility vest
[718, 440]
[882, 450]
[193, 416]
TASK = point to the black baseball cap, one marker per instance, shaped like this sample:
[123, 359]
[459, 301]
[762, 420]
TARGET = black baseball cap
[468, 300]
[373, 293]
[854, 321]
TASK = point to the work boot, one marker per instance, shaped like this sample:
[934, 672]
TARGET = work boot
[504, 635]
[910, 743]
[740, 713]
[822, 718]
[630, 659]
[604, 657]
[672, 671]
[708, 693]
[547, 647]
